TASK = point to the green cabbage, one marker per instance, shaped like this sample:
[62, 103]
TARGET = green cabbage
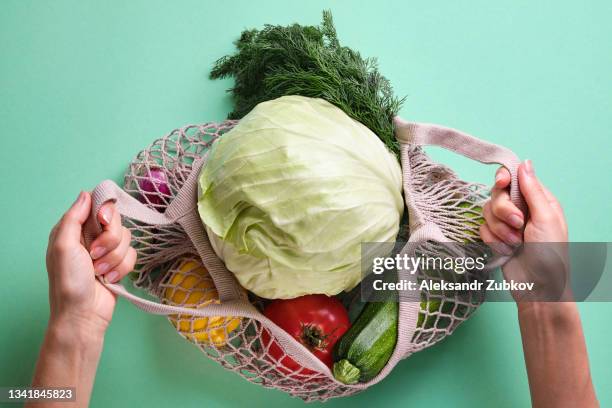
[289, 195]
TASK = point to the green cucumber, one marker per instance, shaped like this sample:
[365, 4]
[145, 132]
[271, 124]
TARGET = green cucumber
[367, 346]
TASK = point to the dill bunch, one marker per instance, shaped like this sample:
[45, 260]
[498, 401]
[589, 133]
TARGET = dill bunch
[309, 61]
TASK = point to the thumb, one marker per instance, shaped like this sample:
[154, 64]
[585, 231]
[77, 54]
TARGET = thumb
[533, 191]
[70, 227]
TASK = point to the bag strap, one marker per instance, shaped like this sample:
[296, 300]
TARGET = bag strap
[464, 144]
[181, 211]
[184, 208]
[454, 140]
[236, 308]
[230, 308]
[126, 205]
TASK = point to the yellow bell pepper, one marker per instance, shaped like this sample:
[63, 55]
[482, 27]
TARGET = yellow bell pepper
[190, 285]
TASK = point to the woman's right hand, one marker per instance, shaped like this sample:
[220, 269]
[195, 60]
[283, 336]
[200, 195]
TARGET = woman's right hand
[543, 260]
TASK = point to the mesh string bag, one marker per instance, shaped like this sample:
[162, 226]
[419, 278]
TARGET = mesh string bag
[187, 282]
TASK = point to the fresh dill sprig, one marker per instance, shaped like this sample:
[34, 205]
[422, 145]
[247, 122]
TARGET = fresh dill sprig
[309, 61]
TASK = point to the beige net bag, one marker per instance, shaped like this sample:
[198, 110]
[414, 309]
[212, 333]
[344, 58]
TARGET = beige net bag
[190, 284]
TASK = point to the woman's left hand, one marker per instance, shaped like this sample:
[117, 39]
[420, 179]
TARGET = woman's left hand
[75, 295]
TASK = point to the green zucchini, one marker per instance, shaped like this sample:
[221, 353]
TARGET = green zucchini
[367, 346]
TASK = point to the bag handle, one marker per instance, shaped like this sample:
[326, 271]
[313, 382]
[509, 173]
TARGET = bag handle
[126, 205]
[181, 211]
[466, 145]
[235, 308]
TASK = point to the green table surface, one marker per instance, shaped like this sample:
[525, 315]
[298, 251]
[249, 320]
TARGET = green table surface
[85, 85]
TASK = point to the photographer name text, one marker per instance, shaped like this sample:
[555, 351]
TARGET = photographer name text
[443, 285]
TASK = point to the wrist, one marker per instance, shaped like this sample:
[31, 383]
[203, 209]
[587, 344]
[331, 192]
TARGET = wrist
[556, 315]
[75, 333]
[69, 357]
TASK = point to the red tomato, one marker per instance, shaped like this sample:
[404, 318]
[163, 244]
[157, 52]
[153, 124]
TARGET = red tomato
[316, 321]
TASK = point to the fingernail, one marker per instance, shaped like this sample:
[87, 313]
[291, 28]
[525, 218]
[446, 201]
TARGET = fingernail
[515, 221]
[102, 268]
[97, 252]
[112, 276]
[498, 177]
[529, 168]
[107, 215]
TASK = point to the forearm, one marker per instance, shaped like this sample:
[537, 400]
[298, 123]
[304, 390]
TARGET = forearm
[68, 358]
[556, 355]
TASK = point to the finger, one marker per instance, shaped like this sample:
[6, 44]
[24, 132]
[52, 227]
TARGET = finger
[493, 241]
[111, 235]
[126, 266]
[502, 178]
[504, 209]
[113, 258]
[532, 190]
[502, 206]
[71, 225]
[498, 227]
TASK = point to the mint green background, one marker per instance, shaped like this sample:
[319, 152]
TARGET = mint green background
[85, 85]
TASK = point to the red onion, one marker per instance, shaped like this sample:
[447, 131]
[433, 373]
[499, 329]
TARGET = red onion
[155, 185]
